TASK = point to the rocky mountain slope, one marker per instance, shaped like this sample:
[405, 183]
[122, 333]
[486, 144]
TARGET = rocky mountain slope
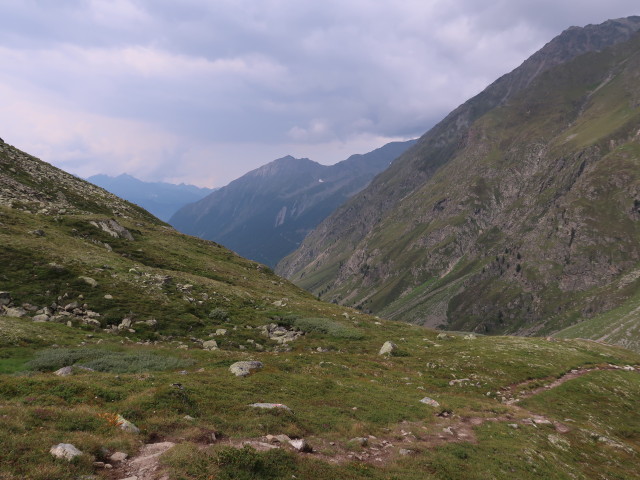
[518, 213]
[265, 214]
[159, 198]
[130, 350]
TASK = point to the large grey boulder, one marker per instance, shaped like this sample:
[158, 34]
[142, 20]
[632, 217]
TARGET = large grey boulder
[64, 372]
[65, 450]
[17, 312]
[387, 348]
[242, 369]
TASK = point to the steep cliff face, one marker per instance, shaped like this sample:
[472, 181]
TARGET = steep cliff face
[517, 213]
[265, 214]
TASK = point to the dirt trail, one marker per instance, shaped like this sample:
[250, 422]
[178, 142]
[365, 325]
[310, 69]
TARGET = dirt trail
[405, 438]
[516, 393]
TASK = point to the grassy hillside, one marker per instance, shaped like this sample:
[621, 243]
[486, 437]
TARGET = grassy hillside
[132, 307]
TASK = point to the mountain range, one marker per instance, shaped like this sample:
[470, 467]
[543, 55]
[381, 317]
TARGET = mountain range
[518, 213]
[265, 214]
[129, 350]
[160, 198]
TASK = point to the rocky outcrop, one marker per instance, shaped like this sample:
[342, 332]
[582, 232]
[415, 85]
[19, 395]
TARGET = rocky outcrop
[51, 191]
[281, 334]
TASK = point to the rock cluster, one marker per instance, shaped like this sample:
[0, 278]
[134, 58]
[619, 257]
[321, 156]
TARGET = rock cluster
[73, 312]
[281, 334]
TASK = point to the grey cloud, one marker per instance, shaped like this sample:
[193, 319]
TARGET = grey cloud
[202, 78]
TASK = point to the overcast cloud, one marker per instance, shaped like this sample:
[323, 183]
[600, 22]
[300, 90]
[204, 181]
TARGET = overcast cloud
[202, 91]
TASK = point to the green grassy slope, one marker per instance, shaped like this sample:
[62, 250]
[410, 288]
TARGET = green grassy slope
[159, 376]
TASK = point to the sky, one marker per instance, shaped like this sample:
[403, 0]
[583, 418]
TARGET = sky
[202, 91]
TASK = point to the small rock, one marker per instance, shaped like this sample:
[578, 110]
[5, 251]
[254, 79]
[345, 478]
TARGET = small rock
[98, 464]
[282, 438]
[470, 336]
[210, 345]
[387, 348]
[430, 401]
[64, 372]
[362, 441]
[242, 369]
[38, 233]
[41, 318]
[126, 425]
[108, 297]
[270, 406]
[118, 457]
[5, 298]
[65, 450]
[405, 451]
[189, 418]
[220, 332]
[442, 336]
[300, 445]
[89, 281]
[513, 425]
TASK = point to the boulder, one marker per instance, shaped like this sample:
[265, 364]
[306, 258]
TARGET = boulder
[113, 228]
[5, 298]
[64, 372]
[125, 323]
[388, 348]
[65, 450]
[301, 445]
[126, 425]
[89, 281]
[210, 345]
[270, 406]
[118, 457]
[430, 401]
[242, 369]
[17, 312]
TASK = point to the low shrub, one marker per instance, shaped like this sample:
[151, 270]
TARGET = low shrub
[104, 360]
[325, 326]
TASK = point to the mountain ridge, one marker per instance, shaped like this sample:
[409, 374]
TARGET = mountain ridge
[434, 236]
[160, 198]
[266, 213]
